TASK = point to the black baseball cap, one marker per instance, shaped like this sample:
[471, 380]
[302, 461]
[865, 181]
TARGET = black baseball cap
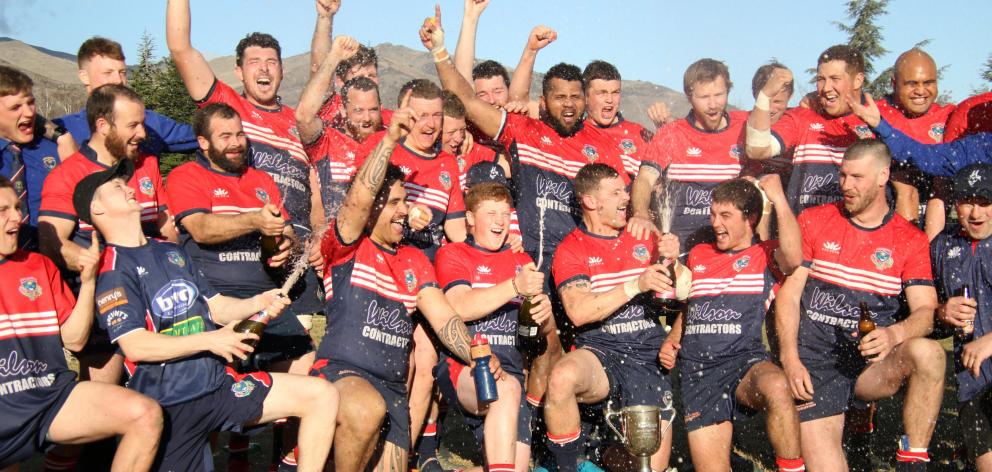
[974, 181]
[82, 196]
[485, 172]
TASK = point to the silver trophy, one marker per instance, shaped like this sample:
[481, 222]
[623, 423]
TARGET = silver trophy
[642, 428]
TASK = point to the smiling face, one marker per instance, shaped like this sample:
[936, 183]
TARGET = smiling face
[733, 231]
[915, 84]
[861, 182]
[114, 202]
[260, 73]
[490, 223]
[834, 84]
[709, 102]
[17, 113]
[492, 90]
[609, 203]
[388, 229]
[227, 145]
[362, 114]
[603, 101]
[10, 221]
[975, 216]
[428, 127]
[562, 105]
[124, 135]
[453, 134]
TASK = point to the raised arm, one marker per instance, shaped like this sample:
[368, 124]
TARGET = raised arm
[759, 143]
[465, 49]
[789, 254]
[307, 122]
[192, 66]
[539, 37]
[76, 329]
[320, 44]
[486, 118]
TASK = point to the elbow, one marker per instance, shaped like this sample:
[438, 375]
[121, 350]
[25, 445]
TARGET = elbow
[757, 153]
[75, 343]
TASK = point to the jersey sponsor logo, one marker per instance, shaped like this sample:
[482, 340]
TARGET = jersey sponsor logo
[954, 252]
[146, 187]
[243, 388]
[735, 152]
[445, 179]
[627, 146]
[699, 268]
[410, 279]
[974, 177]
[545, 140]
[595, 261]
[111, 299]
[186, 327]
[817, 127]
[115, 318]
[175, 258]
[936, 132]
[264, 197]
[221, 193]
[882, 258]
[590, 152]
[30, 288]
[14, 365]
[49, 162]
[741, 263]
[484, 270]
[831, 308]
[641, 253]
[174, 299]
[694, 152]
[831, 246]
[863, 131]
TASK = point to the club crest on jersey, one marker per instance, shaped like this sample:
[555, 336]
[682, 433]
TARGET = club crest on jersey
[243, 388]
[445, 179]
[863, 131]
[627, 146]
[145, 184]
[882, 258]
[735, 152]
[461, 163]
[641, 253]
[176, 259]
[49, 162]
[741, 263]
[954, 252]
[936, 132]
[264, 197]
[694, 152]
[590, 152]
[410, 279]
[30, 288]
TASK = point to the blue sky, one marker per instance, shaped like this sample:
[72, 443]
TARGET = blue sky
[647, 39]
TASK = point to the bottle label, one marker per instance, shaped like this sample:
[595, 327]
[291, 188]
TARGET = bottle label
[527, 331]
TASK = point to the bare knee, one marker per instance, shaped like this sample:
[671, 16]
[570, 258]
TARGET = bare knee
[775, 390]
[508, 387]
[927, 357]
[145, 415]
[361, 409]
[562, 381]
[320, 395]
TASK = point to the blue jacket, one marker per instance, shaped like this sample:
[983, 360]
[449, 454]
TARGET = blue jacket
[164, 133]
[944, 159]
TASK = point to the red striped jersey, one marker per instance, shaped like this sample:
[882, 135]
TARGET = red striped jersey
[544, 164]
[431, 181]
[607, 262]
[971, 116]
[631, 140]
[371, 295]
[927, 128]
[731, 291]
[34, 302]
[849, 264]
[275, 148]
[235, 265]
[56, 196]
[337, 157]
[818, 143]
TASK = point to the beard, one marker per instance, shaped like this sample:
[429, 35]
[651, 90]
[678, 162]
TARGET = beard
[219, 158]
[559, 127]
[359, 132]
[861, 203]
[117, 147]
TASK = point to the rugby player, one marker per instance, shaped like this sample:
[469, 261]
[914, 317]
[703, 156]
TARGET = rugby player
[602, 89]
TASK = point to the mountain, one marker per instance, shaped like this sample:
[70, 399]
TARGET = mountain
[58, 90]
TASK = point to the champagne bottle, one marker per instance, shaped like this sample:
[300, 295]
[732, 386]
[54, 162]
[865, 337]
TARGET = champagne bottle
[865, 324]
[967, 332]
[485, 383]
[526, 327]
[255, 325]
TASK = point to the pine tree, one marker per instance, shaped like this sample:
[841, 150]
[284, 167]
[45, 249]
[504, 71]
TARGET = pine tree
[987, 70]
[143, 74]
[865, 36]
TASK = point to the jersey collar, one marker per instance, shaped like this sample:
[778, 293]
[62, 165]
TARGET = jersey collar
[585, 229]
[692, 122]
[885, 220]
[471, 242]
[418, 154]
[620, 120]
[205, 163]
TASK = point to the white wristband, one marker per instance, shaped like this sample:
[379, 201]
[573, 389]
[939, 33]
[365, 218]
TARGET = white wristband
[762, 102]
[631, 288]
[440, 54]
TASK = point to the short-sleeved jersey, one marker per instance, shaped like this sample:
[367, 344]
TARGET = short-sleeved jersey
[234, 265]
[631, 139]
[927, 128]
[849, 264]
[731, 291]
[155, 287]
[544, 164]
[330, 110]
[467, 263]
[40, 157]
[818, 143]
[607, 262]
[432, 182]
[959, 260]
[371, 295]
[971, 116]
[693, 162]
[56, 198]
[34, 303]
[337, 157]
[275, 149]
[163, 133]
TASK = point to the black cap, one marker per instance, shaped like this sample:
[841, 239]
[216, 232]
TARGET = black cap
[82, 196]
[974, 181]
[485, 172]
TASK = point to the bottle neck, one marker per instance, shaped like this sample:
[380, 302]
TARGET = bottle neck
[261, 317]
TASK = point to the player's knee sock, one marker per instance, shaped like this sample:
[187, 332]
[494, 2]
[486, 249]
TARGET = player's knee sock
[278, 429]
[61, 461]
[500, 468]
[427, 447]
[565, 448]
[911, 458]
[790, 465]
[288, 461]
[237, 447]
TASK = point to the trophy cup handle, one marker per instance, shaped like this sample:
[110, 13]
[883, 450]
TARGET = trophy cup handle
[666, 413]
[609, 413]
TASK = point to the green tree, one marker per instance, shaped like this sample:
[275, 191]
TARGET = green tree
[987, 70]
[865, 36]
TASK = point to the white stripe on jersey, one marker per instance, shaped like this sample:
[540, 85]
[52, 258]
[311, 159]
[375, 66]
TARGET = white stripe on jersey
[855, 278]
[426, 196]
[229, 209]
[703, 172]
[631, 164]
[606, 282]
[740, 284]
[382, 284]
[16, 325]
[533, 156]
[818, 154]
[266, 135]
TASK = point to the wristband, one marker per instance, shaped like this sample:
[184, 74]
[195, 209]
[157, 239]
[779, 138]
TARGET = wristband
[762, 102]
[513, 283]
[440, 54]
[631, 288]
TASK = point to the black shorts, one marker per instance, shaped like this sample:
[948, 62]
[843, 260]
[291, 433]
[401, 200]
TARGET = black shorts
[709, 390]
[632, 381]
[834, 377]
[396, 426]
[975, 419]
[188, 425]
[446, 376]
[32, 422]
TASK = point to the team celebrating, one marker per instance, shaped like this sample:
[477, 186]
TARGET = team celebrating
[526, 263]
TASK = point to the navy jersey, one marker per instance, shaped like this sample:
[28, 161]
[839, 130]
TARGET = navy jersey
[849, 264]
[156, 288]
[959, 260]
[337, 157]
[371, 296]
[164, 133]
[40, 157]
[606, 262]
[731, 291]
[469, 264]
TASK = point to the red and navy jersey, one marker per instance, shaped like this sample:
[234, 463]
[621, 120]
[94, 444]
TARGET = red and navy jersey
[329, 112]
[371, 296]
[337, 157]
[56, 196]
[849, 264]
[34, 302]
[155, 287]
[607, 262]
[469, 264]
[432, 182]
[693, 162]
[235, 265]
[959, 260]
[275, 149]
[818, 144]
[731, 291]
[631, 140]
[927, 128]
[544, 164]
[971, 116]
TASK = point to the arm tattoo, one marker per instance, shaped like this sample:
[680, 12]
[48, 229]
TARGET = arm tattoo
[373, 174]
[454, 336]
[578, 285]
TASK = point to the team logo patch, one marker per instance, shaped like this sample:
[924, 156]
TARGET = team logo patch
[445, 179]
[176, 259]
[111, 299]
[221, 193]
[699, 268]
[49, 162]
[627, 146]
[863, 131]
[954, 252]
[115, 318]
[974, 177]
[735, 152]
[936, 132]
[484, 270]
[146, 187]
[30, 288]
[641, 253]
[19, 186]
[461, 163]
[243, 388]
[406, 170]
[410, 279]
[882, 258]
[141, 271]
[264, 197]
[741, 263]
[590, 152]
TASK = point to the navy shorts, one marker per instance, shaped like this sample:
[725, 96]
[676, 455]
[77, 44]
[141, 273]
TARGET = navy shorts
[446, 376]
[975, 420]
[709, 390]
[188, 425]
[284, 339]
[834, 375]
[396, 427]
[633, 381]
[30, 423]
